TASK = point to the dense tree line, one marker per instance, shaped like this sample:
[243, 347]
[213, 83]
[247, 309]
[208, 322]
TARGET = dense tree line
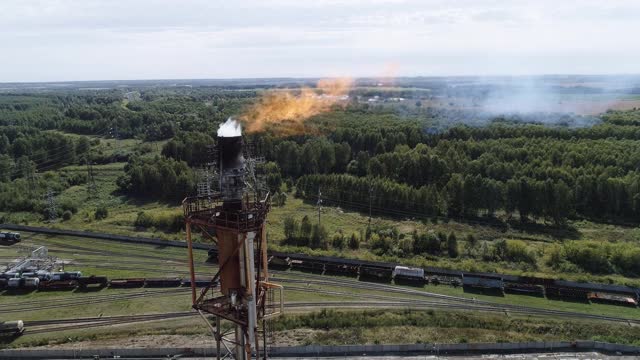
[466, 172]
[153, 115]
[25, 194]
[23, 150]
[158, 178]
[191, 147]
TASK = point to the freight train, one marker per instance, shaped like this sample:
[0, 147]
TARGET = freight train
[61, 281]
[487, 283]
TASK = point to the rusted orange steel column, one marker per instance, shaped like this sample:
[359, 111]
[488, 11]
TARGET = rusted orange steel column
[192, 272]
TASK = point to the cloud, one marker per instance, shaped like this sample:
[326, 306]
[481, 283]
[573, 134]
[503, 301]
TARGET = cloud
[92, 39]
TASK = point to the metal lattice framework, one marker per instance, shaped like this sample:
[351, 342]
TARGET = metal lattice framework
[232, 214]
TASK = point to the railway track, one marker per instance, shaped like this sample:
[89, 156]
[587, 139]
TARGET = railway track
[51, 326]
[64, 303]
[471, 303]
[433, 300]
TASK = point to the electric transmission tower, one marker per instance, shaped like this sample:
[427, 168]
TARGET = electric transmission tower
[370, 203]
[51, 205]
[92, 189]
[319, 204]
[32, 181]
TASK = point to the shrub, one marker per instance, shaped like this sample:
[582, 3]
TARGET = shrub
[165, 220]
[319, 237]
[337, 241]
[517, 251]
[66, 215]
[627, 260]
[452, 245]
[143, 220]
[291, 230]
[101, 212]
[354, 242]
[590, 256]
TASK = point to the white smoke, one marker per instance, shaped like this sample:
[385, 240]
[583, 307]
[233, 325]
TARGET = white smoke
[230, 128]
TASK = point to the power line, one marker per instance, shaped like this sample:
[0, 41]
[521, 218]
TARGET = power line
[389, 210]
[61, 156]
[53, 159]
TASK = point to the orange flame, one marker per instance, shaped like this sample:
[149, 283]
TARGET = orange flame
[289, 111]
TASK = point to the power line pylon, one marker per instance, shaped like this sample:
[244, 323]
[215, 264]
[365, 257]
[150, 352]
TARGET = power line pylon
[92, 189]
[319, 204]
[370, 203]
[51, 205]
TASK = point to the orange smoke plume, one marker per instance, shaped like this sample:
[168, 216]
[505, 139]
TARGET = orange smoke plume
[289, 110]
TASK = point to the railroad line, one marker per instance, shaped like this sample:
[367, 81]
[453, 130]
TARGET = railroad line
[63, 303]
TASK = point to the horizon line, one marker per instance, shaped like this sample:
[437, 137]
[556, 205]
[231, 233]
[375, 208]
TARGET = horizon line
[330, 77]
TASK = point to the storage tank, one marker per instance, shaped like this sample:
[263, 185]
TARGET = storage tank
[31, 282]
[43, 275]
[15, 327]
[73, 275]
[408, 273]
[14, 283]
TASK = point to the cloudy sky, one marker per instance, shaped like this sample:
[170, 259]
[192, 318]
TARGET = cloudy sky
[54, 40]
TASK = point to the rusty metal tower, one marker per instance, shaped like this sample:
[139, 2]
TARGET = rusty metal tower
[240, 291]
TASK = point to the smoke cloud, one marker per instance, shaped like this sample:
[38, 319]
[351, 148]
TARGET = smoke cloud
[285, 112]
[230, 128]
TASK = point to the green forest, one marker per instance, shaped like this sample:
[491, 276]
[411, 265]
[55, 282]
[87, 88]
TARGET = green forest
[399, 161]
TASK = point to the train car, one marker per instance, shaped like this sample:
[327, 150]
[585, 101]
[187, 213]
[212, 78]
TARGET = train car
[279, 262]
[43, 275]
[565, 293]
[437, 276]
[443, 280]
[408, 275]
[337, 268]
[31, 282]
[66, 275]
[200, 282]
[612, 299]
[9, 238]
[9, 275]
[163, 282]
[482, 284]
[594, 287]
[58, 285]
[98, 281]
[11, 328]
[22, 283]
[380, 274]
[308, 266]
[127, 283]
[523, 288]
[15, 283]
